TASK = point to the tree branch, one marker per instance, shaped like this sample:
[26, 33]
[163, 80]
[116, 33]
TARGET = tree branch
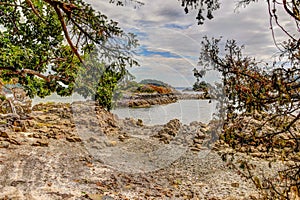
[30, 71]
[34, 10]
[24, 72]
[54, 4]
[289, 11]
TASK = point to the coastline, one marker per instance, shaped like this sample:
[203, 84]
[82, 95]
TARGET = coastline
[79, 150]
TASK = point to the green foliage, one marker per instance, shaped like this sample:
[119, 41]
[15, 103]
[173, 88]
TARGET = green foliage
[145, 89]
[44, 43]
[154, 82]
[99, 80]
[2, 98]
[107, 86]
[200, 86]
[250, 86]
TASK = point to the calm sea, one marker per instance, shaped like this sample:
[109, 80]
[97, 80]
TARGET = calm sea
[184, 110]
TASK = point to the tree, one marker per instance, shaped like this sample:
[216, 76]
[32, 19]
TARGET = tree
[261, 100]
[44, 44]
[199, 86]
[99, 80]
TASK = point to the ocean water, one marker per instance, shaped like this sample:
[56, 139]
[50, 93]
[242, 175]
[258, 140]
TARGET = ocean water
[56, 98]
[185, 110]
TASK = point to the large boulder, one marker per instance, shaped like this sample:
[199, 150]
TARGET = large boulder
[169, 130]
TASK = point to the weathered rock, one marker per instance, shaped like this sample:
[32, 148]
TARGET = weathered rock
[30, 123]
[14, 141]
[198, 146]
[165, 137]
[195, 149]
[235, 184]
[43, 118]
[94, 196]
[123, 137]
[139, 122]
[44, 129]
[4, 144]
[18, 129]
[10, 192]
[168, 131]
[130, 121]
[19, 123]
[197, 141]
[35, 135]
[73, 139]
[200, 136]
[41, 142]
[61, 171]
[111, 143]
[174, 124]
[144, 100]
[111, 122]
[4, 135]
[204, 130]
[139, 104]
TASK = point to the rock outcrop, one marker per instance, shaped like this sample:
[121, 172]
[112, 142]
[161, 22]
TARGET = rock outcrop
[169, 130]
[54, 121]
[147, 100]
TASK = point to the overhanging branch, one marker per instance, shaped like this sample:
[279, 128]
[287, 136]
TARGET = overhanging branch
[55, 5]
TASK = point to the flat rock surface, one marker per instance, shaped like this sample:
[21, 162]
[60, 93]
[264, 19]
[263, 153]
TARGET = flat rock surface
[66, 170]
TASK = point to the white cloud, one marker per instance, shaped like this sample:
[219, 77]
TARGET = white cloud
[175, 71]
[163, 26]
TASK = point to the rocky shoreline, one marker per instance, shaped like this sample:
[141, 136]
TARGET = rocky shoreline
[145, 100]
[81, 151]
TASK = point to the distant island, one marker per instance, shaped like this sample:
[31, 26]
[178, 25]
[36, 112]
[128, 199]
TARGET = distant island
[151, 92]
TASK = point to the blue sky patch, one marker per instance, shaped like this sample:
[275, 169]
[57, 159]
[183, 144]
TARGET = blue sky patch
[176, 26]
[144, 51]
[140, 34]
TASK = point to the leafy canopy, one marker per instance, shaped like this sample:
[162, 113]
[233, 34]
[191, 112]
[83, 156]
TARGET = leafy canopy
[44, 43]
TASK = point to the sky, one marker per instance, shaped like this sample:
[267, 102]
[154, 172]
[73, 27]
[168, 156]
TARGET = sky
[170, 39]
